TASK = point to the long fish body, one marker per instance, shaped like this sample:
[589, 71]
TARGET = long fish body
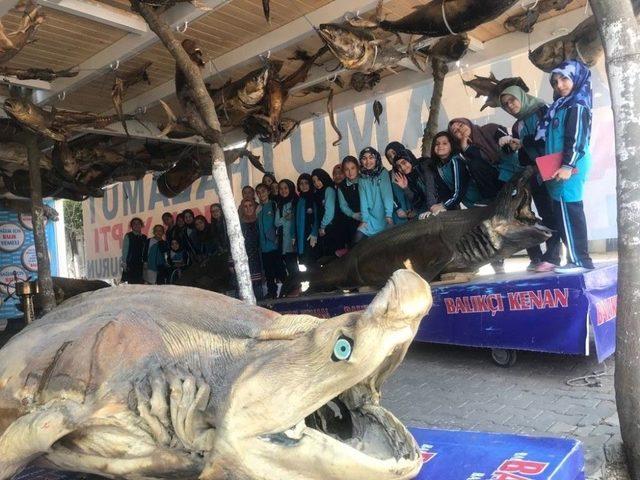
[460, 16]
[451, 241]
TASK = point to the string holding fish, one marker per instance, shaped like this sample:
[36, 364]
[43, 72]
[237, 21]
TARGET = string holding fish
[184, 27]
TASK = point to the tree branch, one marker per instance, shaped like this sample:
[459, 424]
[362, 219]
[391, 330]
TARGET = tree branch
[440, 70]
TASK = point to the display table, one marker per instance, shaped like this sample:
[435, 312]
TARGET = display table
[518, 311]
[457, 455]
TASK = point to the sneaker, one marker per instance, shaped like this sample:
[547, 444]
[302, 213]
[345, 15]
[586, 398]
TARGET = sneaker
[544, 267]
[570, 268]
[532, 266]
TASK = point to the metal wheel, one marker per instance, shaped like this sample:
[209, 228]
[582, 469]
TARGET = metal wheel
[503, 357]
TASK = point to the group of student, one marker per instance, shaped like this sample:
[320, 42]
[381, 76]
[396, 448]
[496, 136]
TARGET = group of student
[322, 215]
[176, 244]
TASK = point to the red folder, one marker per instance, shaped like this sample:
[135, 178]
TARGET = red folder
[549, 164]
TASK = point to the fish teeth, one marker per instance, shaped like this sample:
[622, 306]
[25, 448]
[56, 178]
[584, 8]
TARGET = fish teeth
[296, 431]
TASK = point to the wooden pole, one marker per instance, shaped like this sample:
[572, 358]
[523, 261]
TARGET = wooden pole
[440, 70]
[34, 155]
[206, 108]
[621, 41]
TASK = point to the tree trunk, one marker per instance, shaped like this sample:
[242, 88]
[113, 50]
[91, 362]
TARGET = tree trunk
[440, 70]
[46, 294]
[619, 33]
[206, 109]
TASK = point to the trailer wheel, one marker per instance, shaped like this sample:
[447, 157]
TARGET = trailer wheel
[504, 358]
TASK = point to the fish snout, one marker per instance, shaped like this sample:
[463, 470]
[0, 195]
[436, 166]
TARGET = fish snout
[405, 299]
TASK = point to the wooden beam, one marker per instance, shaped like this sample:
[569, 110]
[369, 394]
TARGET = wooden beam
[125, 48]
[101, 13]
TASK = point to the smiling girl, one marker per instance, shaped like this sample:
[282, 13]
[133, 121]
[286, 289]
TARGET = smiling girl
[566, 128]
[376, 196]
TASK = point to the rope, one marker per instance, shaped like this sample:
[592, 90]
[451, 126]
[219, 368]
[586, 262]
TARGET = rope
[591, 380]
[444, 17]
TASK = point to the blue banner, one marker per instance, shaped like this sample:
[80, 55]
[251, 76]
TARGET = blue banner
[454, 455]
[18, 259]
[520, 311]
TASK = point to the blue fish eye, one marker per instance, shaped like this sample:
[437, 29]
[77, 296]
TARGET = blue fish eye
[342, 349]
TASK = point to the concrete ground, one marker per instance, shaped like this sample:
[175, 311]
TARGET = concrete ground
[460, 388]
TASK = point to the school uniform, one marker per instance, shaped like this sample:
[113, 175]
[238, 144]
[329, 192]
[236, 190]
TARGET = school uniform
[376, 202]
[400, 202]
[251, 235]
[286, 228]
[133, 250]
[271, 257]
[155, 257]
[566, 128]
[349, 202]
[307, 224]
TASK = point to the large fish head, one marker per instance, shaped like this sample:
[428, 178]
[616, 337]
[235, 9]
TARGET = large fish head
[348, 44]
[513, 219]
[308, 407]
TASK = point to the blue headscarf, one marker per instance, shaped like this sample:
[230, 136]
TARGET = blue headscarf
[375, 171]
[581, 93]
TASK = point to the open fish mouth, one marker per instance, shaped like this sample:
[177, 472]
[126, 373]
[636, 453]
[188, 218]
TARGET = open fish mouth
[368, 433]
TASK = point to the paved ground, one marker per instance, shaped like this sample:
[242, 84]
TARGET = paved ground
[460, 388]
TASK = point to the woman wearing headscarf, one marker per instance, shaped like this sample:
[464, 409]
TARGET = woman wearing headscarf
[326, 202]
[566, 129]
[349, 198]
[269, 179]
[529, 111]
[416, 182]
[376, 196]
[286, 225]
[219, 228]
[306, 218]
[251, 235]
[481, 152]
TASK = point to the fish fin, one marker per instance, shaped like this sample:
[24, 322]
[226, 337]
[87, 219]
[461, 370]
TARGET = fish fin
[255, 161]
[172, 120]
[300, 55]
[492, 76]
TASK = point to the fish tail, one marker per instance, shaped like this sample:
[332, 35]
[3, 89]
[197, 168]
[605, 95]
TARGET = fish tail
[172, 120]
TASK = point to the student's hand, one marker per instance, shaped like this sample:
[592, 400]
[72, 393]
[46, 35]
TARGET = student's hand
[515, 144]
[401, 213]
[400, 179]
[362, 226]
[389, 220]
[465, 142]
[357, 216]
[322, 232]
[313, 240]
[563, 173]
[438, 207]
[411, 214]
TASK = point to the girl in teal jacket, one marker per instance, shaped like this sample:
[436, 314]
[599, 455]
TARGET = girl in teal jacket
[307, 221]
[376, 195]
[566, 129]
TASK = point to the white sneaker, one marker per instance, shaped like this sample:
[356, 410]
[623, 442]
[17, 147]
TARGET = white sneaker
[570, 268]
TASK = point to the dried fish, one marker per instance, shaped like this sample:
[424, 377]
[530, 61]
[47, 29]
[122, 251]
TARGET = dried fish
[44, 74]
[491, 88]
[524, 22]
[121, 84]
[364, 81]
[266, 10]
[377, 111]
[450, 48]
[11, 43]
[332, 118]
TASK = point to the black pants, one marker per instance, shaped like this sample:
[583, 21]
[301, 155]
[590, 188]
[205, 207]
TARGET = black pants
[545, 207]
[291, 263]
[572, 225]
[273, 271]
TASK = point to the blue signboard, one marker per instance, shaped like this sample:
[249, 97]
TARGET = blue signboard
[520, 311]
[455, 455]
[18, 259]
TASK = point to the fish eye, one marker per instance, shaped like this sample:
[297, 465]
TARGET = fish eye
[514, 192]
[342, 349]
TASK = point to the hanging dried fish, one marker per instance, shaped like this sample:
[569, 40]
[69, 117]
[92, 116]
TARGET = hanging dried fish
[11, 43]
[175, 127]
[266, 10]
[44, 74]
[524, 22]
[364, 81]
[491, 88]
[121, 84]
[377, 111]
[332, 119]
[55, 124]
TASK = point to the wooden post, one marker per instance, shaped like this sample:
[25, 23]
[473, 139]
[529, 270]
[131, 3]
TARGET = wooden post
[440, 70]
[621, 40]
[34, 155]
[206, 108]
